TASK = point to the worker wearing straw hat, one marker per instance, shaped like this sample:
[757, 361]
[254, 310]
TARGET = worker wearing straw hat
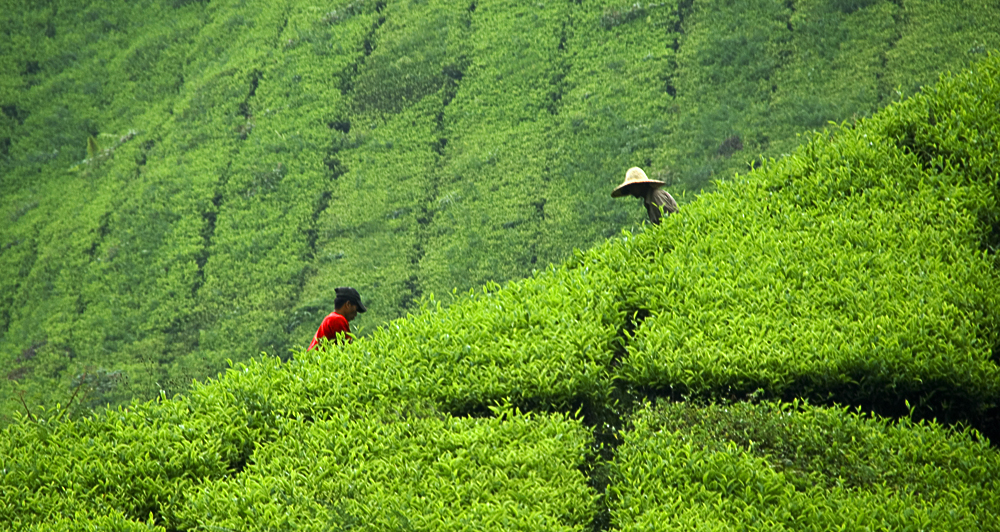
[658, 201]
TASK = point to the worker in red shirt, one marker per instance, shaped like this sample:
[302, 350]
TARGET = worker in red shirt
[346, 306]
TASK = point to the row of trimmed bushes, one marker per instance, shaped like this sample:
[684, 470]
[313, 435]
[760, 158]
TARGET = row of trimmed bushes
[226, 458]
[177, 465]
[851, 271]
[873, 239]
[770, 466]
[260, 153]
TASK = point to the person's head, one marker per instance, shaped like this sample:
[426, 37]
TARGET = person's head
[348, 303]
[640, 190]
[636, 184]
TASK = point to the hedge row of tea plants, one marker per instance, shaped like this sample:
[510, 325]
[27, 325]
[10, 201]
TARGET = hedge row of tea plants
[857, 270]
[860, 268]
[223, 459]
[135, 462]
[283, 177]
[184, 182]
[372, 471]
[771, 466]
[878, 238]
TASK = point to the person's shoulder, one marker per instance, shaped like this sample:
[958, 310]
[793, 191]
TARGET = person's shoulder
[333, 317]
[661, 193]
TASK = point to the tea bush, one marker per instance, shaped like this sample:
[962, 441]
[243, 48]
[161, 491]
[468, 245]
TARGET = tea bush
[87, 522]
[229, 455]
[274, 150]
[852, 270]
[859, 270]
[371, 469]
[143, 460]
[795, 466]
[546, 343]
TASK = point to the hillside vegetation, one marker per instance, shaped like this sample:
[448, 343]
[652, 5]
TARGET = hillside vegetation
[184, 182]
[772, 357]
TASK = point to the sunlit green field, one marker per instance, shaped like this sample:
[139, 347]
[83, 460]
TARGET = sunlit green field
[185, 182]
[810, 344]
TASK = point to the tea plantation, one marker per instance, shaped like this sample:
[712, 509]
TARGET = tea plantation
[183, 182]
[811, 346]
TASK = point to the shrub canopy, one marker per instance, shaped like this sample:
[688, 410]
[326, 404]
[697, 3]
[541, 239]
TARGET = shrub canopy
[859, 270]
[184, 182]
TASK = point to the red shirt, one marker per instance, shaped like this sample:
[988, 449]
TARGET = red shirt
[332, 324]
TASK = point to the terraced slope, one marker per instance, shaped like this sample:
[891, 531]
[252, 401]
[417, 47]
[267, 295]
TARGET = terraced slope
[183, 182]
[685, 374]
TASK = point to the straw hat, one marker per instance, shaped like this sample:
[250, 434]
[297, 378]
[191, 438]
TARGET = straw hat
[634, 176]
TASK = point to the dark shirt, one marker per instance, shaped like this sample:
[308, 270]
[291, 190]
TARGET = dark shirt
[657, 198]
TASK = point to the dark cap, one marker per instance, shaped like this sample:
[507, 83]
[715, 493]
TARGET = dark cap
[351, 295]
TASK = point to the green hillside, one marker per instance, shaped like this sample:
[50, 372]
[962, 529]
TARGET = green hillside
[184, 181]
[811, 346]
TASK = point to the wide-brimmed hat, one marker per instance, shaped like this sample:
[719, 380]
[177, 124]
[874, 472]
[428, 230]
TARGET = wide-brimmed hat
[351, 295]
[634, 176]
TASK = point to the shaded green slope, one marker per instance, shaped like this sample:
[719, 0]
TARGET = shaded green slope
[531, 406]
[250, 156]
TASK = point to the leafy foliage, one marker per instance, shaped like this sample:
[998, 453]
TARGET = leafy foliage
[795, 466]
[869, 247]
[813, 277]
[229, 456]
[422, 473]
[248, 156]
[277, 150]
